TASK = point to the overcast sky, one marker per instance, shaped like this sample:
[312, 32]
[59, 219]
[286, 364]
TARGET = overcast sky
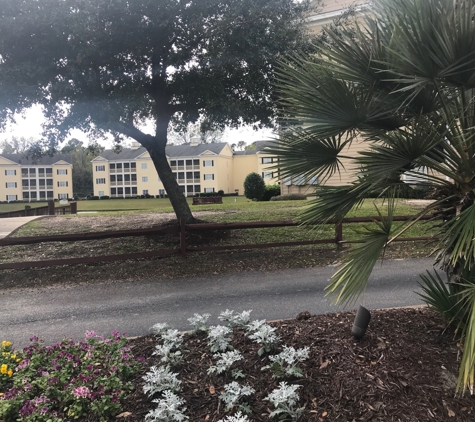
[29, 126]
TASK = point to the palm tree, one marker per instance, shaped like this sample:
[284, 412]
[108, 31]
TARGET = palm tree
[403, 84]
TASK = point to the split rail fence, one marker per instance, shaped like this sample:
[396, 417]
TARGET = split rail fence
[49, 209]
[182, 229]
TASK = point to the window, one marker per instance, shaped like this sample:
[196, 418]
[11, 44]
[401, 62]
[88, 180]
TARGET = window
[189, 175]
[127, 191]
[143, 166]
[119, 178]
[113, 191]
[267, 174]
[197, 175]
[49, 194]
[145, 192]
[173, 163]
[126, 177]
[134, 191]
[189, 162]
[101, 193]
[42, 194]
[26, 195]
[62, 195]
[10, 185]
[208, 163]
[208, 176]
[112, 166]
[24, 172]
[133, 177]
[49, 182]
[12, 198]
[209, 190]
[101, 181]
[33, 183]
[161, 192]
[25, 183]
[196, 162]
[32, 171]
[197, 188]
[61, 171]
[10, 173]
[181, 162]
[33, 195]
[126, 165]
[118, 166]
[62, 184]
[42, 182]
[267, 160]
[120, 191]
[144, 179]
[100, 168]
[133, 166]
[113, 178]
[49, 172]
[41, 172]
[181, 176]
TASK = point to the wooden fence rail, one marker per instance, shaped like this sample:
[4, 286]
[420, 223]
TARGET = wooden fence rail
[182, 229]
[49, 209]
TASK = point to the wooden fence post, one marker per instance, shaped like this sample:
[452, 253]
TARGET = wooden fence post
[51, 208]
[182, 237]
[74, 207]
[338, 235]
[27, 210]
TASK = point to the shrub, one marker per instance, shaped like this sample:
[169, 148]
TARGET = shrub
[271, 191]
[221, 192]
[105, 197]
[290, 197]
[254, 187]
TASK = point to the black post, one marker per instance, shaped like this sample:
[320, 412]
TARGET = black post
[182, 237]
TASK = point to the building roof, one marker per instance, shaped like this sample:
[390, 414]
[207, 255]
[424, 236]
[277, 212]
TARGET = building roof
[260, 147]
[44, 160]
[185, 150]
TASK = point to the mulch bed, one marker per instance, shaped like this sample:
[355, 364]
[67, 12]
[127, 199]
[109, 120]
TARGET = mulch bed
[405, 369]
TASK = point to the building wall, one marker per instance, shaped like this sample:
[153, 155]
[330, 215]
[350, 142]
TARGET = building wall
[13, 180]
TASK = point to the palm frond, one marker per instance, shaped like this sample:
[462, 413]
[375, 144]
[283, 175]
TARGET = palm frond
[349, 282]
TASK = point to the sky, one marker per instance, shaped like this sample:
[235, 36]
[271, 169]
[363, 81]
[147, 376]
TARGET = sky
[29, 126]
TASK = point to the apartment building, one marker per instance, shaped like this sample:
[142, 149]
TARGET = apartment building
[25, 179]
[198, 168]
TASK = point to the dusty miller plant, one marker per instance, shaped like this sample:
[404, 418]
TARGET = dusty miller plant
[285, 363]
[224, 361]
[169, 409]
[160, 379]
[168, 354]
[172, 339]
[160, 328]
[265, 335]
[233, 394]
[219, 338]
[285, 400]
[198, 322]
[235, 320]
[238, 417]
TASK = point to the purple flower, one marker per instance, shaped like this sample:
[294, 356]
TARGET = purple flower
[81, 392]
[90, 334]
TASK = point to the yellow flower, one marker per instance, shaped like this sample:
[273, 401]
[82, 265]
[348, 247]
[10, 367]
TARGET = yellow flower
[13, 356]
[10, 373]
[3, 369]
[1, 394]
[6, 344]
[18, 360]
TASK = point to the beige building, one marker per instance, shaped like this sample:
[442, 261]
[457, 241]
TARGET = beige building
[25, 179]
[198, 168]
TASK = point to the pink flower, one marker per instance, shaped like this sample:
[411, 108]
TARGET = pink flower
[81, 392]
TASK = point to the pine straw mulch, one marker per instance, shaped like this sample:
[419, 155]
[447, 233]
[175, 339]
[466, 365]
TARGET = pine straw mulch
[403, 370]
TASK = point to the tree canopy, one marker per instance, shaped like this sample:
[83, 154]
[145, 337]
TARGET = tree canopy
[109, 66]
[403, 85]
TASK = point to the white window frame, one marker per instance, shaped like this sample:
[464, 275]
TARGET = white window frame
[209, 176]
[143, 166]
[11, 185]
[62, 184]
[144, 179]
[101, 193]
[144, 191]
[267, 174]
[101, 168]
[101, 181]
[208, 163]
[267, 160]
[62, 196]
[61, 171]
[10, 172]
[12, 198]
[209, 190]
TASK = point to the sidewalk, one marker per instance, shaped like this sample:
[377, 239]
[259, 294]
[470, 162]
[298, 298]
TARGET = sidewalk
[9, 225]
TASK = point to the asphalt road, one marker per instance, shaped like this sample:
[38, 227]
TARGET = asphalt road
[132, 308]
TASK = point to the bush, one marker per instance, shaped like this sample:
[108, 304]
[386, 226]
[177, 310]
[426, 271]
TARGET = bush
[291, 197]
[254, 187]
[93, 198]
[271, 191]
[105, 197]
[221, 192]
[206, 194]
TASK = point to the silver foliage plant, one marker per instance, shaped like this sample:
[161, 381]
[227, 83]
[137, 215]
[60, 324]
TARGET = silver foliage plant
[238, 417]
[285, 400]
[233, 395]
[285, 363]
[160, 379]
[263, 334]
[235, 320]
[224, 361]
[198, 322]
[219, 338]
[168, 355]
[169, 409]
[172, 339]
[159, 328]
